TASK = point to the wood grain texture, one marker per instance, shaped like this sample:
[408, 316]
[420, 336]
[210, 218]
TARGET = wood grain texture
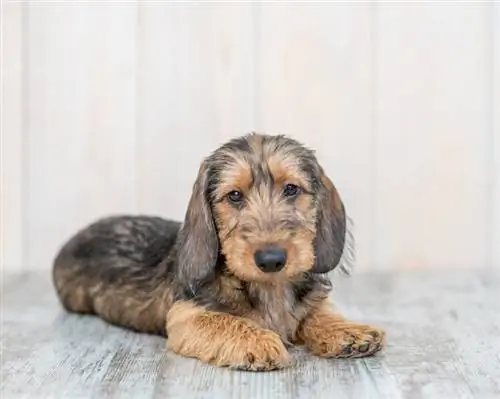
[109, 108]
[11, 138]
[80, 118]
[314, 81]
[432, 132]
[194, 92]
[495, 135]
[439, 346]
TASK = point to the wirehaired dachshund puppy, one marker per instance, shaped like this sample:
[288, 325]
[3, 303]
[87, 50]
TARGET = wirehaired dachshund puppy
[242, 278]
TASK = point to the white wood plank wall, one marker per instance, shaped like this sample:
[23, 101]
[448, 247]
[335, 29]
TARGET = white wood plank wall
[108, 107]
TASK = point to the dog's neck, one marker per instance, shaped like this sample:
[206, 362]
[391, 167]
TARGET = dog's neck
[278, 305]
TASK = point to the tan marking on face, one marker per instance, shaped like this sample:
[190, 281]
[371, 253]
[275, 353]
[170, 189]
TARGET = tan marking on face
[285, 170]
[239, 245]
[265, 217]
[226, 219]
[238, 177]
[305, 207]
[235, 176]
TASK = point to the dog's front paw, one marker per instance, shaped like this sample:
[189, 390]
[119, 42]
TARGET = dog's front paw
[223, 340]
[262, 350]
[346, 340]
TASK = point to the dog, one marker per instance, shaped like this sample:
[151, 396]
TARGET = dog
[243, 278]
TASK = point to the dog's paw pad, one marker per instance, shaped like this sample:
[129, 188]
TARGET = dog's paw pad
[348, 340]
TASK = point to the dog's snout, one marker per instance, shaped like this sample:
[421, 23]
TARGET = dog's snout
[271, 259]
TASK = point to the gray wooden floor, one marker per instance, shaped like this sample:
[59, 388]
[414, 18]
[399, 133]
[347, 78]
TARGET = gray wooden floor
[443, 342]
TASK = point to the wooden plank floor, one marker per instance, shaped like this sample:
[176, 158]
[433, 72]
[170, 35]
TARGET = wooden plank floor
[443, 342]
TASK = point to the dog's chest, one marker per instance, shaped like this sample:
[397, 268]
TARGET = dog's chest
[275, 308]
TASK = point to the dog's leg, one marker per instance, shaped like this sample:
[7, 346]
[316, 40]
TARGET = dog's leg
[223, 340]
[328, 334]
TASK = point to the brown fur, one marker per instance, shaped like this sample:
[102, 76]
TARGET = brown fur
[224, 340]
[198, 282]
[328, 334]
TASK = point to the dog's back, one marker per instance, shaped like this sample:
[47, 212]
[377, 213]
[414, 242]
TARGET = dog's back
[116, 264]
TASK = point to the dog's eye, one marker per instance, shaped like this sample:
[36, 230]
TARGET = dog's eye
[235, 196]
[290, 190]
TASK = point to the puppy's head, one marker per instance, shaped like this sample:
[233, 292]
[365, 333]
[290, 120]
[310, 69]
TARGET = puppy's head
[264, 205]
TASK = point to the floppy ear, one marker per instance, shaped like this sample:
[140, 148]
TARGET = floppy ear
[331, 227]
[197, 242]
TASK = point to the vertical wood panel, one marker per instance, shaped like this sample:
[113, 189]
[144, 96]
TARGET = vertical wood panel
[314, 77]
[11, 147]
[495, 242]
[432, 127]
[123, 101]
[81, 120]
[194, 92]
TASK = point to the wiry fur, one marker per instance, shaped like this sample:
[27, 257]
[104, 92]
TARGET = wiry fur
[196, 282]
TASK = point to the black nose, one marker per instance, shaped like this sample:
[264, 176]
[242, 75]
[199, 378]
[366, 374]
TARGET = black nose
[270, 259]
